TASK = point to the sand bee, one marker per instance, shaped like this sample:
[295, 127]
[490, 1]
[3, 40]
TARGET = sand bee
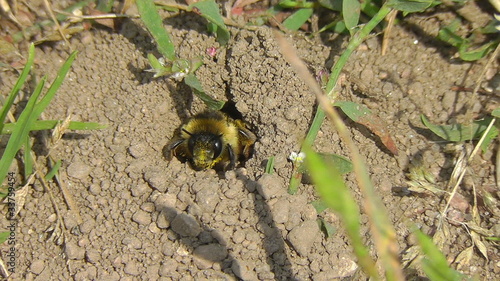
[211, 139]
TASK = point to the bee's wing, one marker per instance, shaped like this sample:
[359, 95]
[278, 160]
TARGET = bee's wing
[246, 139]
[232, 158]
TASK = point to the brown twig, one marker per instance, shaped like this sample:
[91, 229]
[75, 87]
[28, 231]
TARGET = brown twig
[388, 29]
[56, 22]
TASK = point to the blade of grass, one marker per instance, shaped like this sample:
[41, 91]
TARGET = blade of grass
[28, 160]
[270, 166]
[54, 170]
[152, 20]
[4, 236]
[17, 87]
[20, 131]
[51, 124]
[29, 115]
[382, 230]
[44, 102]
[336, 195]
[434, 263]
[38, 26]
[355, 41]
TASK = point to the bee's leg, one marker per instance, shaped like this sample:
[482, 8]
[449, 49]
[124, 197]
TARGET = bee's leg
[247, 140]
[169, 150]
[232, 158]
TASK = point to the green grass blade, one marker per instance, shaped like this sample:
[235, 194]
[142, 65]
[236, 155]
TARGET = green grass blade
[336, 195]
[28, 160]
[210, 11]
[270, 166]
[51, 124]
[54, 170]
[20, 131]
[17, 87]
[152, 20]
[319, 117]
[434, 263]
[29, 116]
[295, 4]
[4, 236]
[44, 102]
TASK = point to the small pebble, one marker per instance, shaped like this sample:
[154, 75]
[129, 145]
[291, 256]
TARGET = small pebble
[141, 217]
[93, 256]
[206, 255]
[280, 210]
[157, 179]
[270, 186]
[132, 242]
[207, 199]
[79, 170]
[303, 236]
[73, 252]
[131, 268]
[244, 270]
[138, 150]
[37, 266]
[185, 225]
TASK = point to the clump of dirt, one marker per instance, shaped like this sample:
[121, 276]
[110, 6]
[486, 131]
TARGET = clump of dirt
[144, 218]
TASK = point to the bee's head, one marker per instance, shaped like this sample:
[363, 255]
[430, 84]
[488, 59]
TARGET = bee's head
[205, 149]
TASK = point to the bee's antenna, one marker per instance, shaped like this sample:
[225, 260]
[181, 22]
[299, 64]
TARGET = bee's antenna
[185, 131]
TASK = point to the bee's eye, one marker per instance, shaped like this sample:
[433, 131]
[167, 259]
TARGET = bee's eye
[217, 147]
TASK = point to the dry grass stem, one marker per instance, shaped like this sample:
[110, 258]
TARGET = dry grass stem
[56, 22]
[388, 29]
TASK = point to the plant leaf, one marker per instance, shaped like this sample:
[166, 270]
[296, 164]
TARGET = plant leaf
[297, 19]
[54, 170]
[270, 166]
[319, 205]
[468, 54]
[20, 131]
[434, 263]
[17, 87]
[410, 6]
[4, 236]
[192, 81]
[331, 4]
[351, 12]
[51, 124]
[33, 109]
[342, 164]
[496, 112]
[44, 102]
[152, 20]
[362, 115]
[210, 11]
[459, 132]
[328, 229]
[336, 195]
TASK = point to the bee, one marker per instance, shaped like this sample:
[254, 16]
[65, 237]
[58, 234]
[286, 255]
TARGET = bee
[211, 139]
